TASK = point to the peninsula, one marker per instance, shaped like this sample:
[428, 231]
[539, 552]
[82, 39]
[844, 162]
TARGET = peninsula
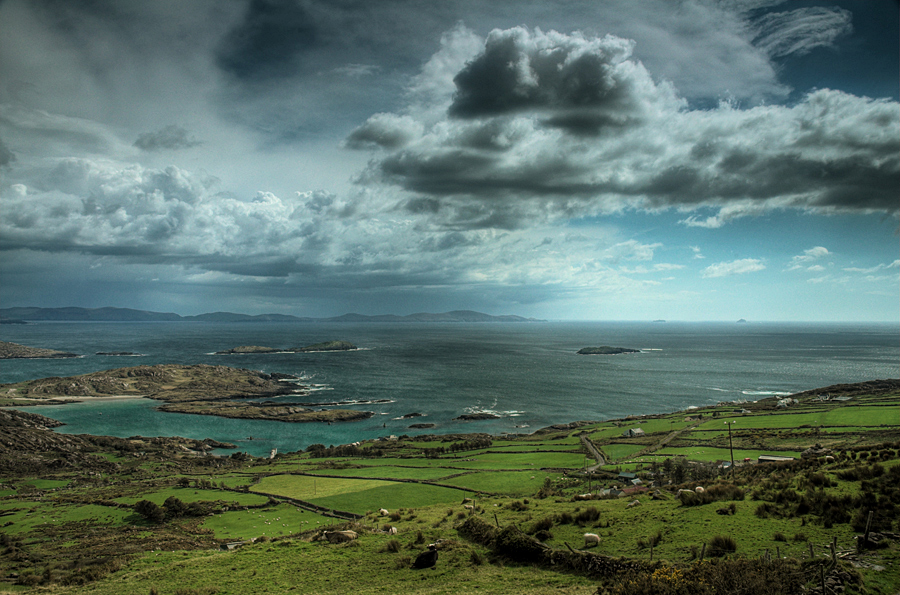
[16, 351]
[197, 389]
[606, 350]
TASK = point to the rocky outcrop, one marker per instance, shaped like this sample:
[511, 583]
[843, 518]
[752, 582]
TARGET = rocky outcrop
[476, 416]
[243, 349]
[606, 350]
[16, 351]
[325, 346]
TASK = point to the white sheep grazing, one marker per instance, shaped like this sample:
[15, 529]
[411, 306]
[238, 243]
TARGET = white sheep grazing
[634, 503]
[699, 489]
[591, 539]
[383, 511]
[829, 459]
[340, 536]
[391, 530]
[469, 507]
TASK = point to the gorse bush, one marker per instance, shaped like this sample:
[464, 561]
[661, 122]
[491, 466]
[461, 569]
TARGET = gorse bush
[713, 577]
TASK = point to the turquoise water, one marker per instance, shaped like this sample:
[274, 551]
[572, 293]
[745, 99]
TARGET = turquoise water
[528, 374]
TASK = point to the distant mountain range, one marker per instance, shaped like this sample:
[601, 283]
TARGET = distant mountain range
[20, 315]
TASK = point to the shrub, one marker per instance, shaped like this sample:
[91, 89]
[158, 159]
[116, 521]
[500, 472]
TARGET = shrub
[518, 505]
[721, 545]
[544, 524]
[150, 511]
[393, 546]
[588, 515]
[730, 509]
[477, 530]
[564, 518]
[779, 536]
[651, 541]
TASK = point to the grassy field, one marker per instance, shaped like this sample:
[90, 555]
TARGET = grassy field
[71, 530]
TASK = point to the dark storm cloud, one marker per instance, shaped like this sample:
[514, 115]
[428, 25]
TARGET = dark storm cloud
[171, 137]
[519, 71]
[269, 42]
[545, 125]
[6, 156]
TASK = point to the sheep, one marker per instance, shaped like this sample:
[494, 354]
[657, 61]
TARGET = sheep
[829, 459]
[383, 511]
[469, 507]
[584, 497]
[340, 536]
[591, 539]
[699, 489]
[634, 503]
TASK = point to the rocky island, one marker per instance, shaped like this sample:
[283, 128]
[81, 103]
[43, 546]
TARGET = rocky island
[606, 350]
[476, 416]
[16, 351]
[325, 346]
[198, 389]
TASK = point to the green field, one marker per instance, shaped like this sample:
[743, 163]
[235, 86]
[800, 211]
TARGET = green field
[71, 530]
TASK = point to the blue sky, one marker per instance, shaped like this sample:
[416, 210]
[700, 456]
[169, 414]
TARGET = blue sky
[693, 160]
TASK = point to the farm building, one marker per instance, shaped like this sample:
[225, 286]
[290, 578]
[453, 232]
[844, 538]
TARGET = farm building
[632, 432]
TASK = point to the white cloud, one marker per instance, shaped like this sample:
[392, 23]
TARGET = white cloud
[735, 267]
[874, 269]
[800, 261]
[800, 31]
[546, 126]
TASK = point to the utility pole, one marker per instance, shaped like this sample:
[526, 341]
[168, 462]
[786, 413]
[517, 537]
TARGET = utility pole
[731, 448]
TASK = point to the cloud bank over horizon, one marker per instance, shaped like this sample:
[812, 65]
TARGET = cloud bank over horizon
[515, 169]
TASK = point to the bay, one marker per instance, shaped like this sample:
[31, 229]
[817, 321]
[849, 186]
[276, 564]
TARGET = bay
[527, 374]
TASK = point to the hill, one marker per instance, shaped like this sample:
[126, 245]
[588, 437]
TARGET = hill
[129, 315]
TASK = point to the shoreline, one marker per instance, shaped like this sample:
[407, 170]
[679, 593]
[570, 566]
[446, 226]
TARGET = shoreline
[78, 398]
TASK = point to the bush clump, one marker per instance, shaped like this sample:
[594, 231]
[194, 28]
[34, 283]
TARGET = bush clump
[477, 530]
[722, 545]
[514, 544]
[588, 515]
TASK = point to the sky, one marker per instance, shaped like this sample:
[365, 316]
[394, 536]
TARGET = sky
[558, 159]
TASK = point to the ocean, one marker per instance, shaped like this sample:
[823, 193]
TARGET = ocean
[528, 374]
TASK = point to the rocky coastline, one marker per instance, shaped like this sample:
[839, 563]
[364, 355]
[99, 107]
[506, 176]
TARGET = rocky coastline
[198, 389]
[16, 351]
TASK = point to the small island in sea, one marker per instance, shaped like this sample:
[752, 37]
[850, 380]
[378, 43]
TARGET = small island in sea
[198, 389]
[16, 351]
[325, 346]
[606, 350]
